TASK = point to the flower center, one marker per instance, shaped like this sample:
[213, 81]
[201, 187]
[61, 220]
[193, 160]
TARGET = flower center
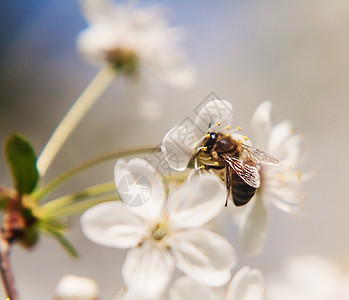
[160, 230]
[123, 60]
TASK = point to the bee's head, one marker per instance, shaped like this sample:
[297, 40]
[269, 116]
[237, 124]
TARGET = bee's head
[210, 140]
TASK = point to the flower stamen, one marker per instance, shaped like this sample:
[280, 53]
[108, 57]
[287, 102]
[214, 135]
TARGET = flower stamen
[123, 60]
[159, 231]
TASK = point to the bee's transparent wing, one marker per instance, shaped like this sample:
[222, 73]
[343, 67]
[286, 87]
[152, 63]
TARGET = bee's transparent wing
[247, 172]
[260, 156]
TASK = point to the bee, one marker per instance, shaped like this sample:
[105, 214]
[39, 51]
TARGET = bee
[220, 151]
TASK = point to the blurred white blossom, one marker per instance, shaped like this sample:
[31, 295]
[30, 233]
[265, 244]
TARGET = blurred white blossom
[247, 284]
[309, 277]
[138, 43]
[163, 234]
[279, 186]
[72, 287]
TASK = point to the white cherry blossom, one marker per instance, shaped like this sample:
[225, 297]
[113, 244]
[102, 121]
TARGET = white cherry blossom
[163, 234]
[72, 287]
[137, 43]
[309, 277]
[247, 284]
[279, 186]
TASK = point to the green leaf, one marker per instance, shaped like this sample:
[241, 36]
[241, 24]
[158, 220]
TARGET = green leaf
[65, 243]
[56, 228]
[4, 199]
[21, 159]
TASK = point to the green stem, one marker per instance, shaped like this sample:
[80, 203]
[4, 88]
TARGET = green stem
[82, 195]
[81, 106]
[39, 194]
[79, 207]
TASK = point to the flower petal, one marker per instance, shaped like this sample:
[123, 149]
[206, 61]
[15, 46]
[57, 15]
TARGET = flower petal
[140, 187]
[247, 284]
[108, 30]
[308, 277]
[130, 295]
[196, 202]
[213, 112]
[112, 224]
[261, 125]
[76, 287]
[98, 11]
[179, 73]
[179, 144]
[253, 227]
[187, 289]
[148, 270]
[278, 135]
[290, 150]
[203, 255]
[145, 93]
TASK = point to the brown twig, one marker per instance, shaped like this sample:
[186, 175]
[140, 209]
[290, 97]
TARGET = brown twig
[6, 269]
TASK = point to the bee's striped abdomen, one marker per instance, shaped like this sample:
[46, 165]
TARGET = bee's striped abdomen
[241, 192]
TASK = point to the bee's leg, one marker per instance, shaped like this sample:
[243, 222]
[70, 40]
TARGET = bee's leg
[196, 168]
[226, 200]
[227, 183]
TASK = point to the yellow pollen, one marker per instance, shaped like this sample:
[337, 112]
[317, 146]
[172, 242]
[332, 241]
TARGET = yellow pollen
[228, 127]
[208, 135]
[245, 138]
[205, 148]
[216, 163]
[239, 128]
[202, 167]
[219, 123]
[240, 141]
[299, 175]
[285, 186]
[210, 158]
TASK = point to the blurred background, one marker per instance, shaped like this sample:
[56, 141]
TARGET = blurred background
[293, 53]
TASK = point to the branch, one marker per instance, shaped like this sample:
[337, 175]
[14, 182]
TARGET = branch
[6, 269]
